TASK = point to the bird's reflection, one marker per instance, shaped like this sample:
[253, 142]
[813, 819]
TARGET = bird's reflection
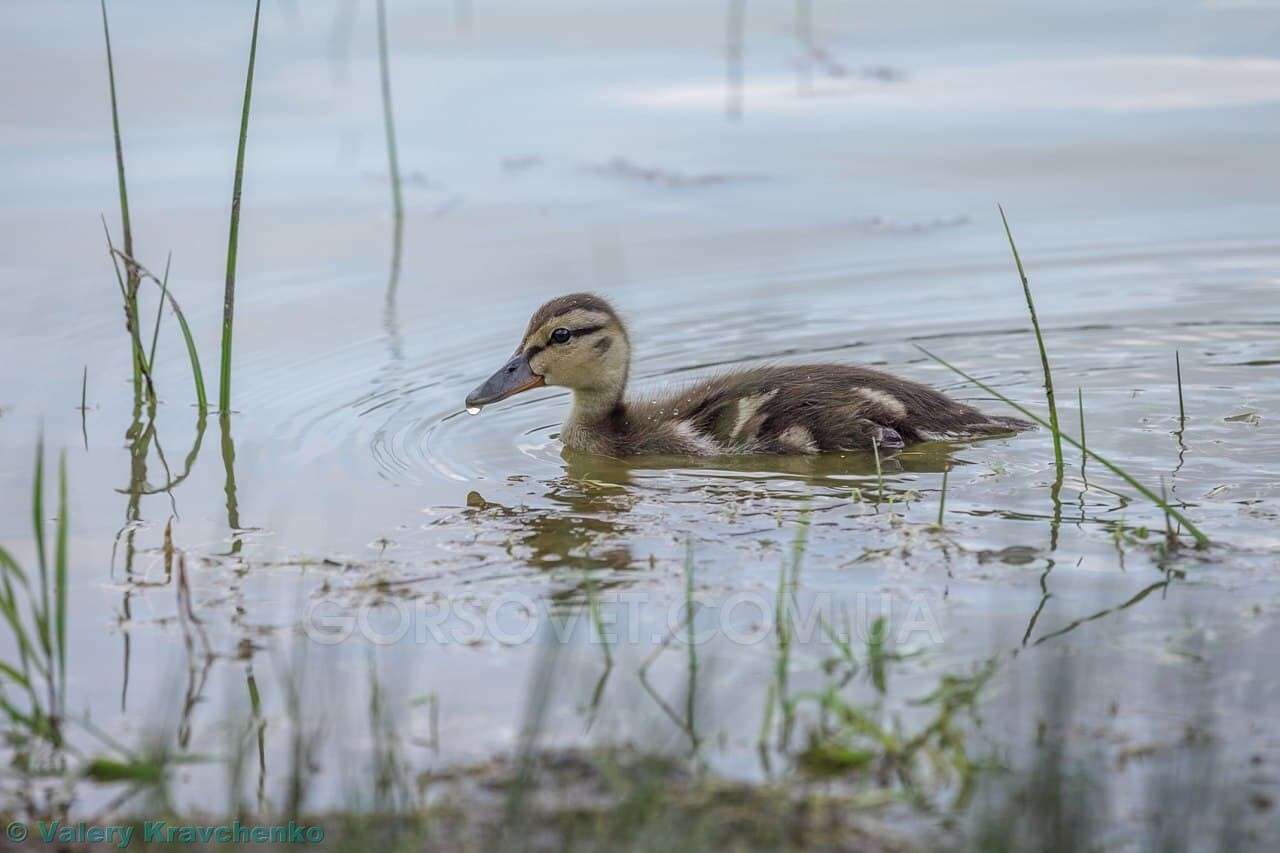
[593, 476]
[559, 540]
[593, 526]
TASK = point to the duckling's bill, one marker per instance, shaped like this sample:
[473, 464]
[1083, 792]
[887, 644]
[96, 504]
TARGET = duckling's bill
[512, 378]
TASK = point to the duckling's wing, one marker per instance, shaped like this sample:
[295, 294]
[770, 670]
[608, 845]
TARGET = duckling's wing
[811, 408]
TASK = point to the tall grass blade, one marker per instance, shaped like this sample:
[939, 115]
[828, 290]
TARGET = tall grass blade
[1168, 524]
[40, 612]
[84, 405]
[1182, 409]
[1080, 404]
[1084, 444]
[1044, 356]
[233, 238]
[1201, 539]
[131, 292]
[126, 226]
[60, 577]
[393, 160]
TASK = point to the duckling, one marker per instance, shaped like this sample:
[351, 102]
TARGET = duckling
[579, 342]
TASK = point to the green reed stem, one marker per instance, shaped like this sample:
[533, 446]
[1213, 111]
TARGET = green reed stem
[115, 126]
[1080, 404]
[1182, 409]
[60, 578]
[84, 389]
[875, 449]
[229, 293]
[1168, 525]
[1084, 453]
[942, 501]
[40, 614]
[1201, 539]
[1044, 356]
[393, 160]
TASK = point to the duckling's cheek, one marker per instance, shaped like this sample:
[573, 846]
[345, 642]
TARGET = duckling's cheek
[545, 366]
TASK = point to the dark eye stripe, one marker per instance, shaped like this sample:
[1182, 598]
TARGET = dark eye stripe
[576, 333]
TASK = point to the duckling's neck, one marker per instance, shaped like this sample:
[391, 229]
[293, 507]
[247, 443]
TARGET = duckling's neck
[593, 420]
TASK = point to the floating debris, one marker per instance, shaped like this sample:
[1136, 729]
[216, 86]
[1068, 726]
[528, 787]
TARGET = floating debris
[623, 168]
[884, 225]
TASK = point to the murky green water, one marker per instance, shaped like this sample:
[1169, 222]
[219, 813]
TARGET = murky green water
[847, 215]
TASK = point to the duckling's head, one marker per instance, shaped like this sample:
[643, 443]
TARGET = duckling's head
[575, 341]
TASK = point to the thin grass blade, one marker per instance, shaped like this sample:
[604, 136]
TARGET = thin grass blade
[202, 400]
[193, 353]
[1044, 355]
[1201, 539]
[155, 332]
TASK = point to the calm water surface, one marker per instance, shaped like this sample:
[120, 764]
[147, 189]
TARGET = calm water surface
[847, 214]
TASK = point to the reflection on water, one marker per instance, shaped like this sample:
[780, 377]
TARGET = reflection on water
[838, 215]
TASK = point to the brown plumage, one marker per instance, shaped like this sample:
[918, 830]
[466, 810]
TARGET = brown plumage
[579, 342]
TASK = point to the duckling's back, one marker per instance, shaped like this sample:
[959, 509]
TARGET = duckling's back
[798, 409]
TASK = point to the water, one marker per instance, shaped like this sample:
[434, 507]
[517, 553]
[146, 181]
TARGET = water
[847, 215]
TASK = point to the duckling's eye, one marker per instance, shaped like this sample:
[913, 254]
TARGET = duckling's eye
[560, 336]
